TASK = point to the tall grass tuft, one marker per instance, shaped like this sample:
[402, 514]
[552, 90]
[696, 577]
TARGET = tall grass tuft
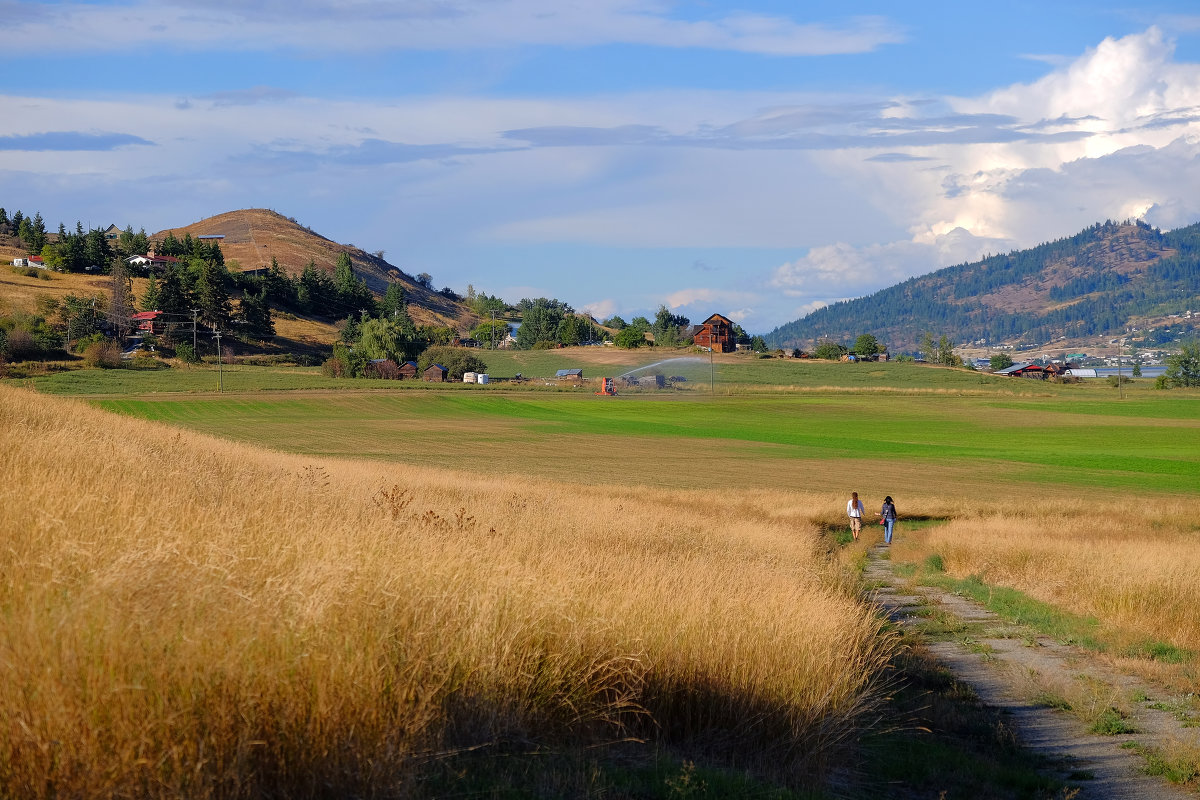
[181, 616]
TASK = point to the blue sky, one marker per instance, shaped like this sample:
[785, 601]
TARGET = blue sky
[759, 159]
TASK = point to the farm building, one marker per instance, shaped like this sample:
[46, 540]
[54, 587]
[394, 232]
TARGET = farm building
[1025, 369]
[147, 321]
[408, 369]
[716, 332]
[569, 374]
[435, 373]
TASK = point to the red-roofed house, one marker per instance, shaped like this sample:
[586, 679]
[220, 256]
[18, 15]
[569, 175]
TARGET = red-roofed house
[148, 321]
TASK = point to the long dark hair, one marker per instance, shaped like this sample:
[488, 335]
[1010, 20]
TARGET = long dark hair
[887, 499]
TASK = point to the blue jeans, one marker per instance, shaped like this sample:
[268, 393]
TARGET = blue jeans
[887, 530]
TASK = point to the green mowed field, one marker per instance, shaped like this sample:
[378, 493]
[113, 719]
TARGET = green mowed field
[914, 441]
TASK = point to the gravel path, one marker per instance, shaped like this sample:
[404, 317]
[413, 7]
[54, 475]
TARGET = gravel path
[1006, 667]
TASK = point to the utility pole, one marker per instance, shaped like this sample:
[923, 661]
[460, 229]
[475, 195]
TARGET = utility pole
[195, 354]
[220, 374]
[493, 328]
[1120, 384]
[712, 374]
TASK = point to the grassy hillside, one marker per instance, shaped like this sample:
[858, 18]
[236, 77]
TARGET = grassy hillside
[254, 236]
[1094, 284]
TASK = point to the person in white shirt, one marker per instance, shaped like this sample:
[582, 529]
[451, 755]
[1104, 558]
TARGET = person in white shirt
[854, 510]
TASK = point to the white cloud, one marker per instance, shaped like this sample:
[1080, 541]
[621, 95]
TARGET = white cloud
[853, 271]
[426, 25]
[600, 309]
[693, 297]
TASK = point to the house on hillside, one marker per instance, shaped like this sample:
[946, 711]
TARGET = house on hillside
[148, 322]
[435, 373]
[1025, 369]
[151, 262]
[112, 233]
[716, 333]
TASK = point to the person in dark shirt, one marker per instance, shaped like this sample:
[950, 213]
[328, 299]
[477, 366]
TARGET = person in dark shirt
[887, 515]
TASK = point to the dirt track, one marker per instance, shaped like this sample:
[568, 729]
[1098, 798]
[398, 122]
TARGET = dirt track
[1005, 667]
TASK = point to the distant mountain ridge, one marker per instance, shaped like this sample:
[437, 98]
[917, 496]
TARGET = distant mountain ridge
[1098, 282]
[253, 236]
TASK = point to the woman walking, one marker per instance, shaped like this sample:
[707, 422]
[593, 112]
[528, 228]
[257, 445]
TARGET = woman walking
[888, 517]
[854, 510]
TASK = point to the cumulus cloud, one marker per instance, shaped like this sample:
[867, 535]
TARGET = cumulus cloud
[853, 271]
[428, 25]
[600, 309]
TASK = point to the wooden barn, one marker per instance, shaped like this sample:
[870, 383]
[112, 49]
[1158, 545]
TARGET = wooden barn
[1024, 370]
[435, 373]
[716, 332]
[408, 369]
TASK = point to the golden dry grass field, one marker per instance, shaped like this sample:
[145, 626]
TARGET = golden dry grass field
[183, 616]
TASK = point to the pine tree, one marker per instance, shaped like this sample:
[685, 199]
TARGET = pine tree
[211, 297]
[255, 316]
[150, 298]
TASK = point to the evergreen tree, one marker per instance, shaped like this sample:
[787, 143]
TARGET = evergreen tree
[254, 314]
[393, 301]
[38, 234]
[25, 234]
[279, 286]
[3, 216]
[211, 297]
[174, 297]
[150, 297]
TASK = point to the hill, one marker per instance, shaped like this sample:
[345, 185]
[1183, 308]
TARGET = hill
[254, 236]
[1098, 283]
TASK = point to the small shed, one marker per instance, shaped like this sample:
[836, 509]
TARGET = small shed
[408, 369]
[569, 374]
[468, 377]
[435, 373]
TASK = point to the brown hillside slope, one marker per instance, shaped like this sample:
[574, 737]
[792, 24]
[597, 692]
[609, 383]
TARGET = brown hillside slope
[1128, 251]
[253, 236]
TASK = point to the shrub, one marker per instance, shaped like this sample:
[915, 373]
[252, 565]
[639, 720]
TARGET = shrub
[629, 338]
[21, 346]
[185, 352]
[335, 368]
[103, 354]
